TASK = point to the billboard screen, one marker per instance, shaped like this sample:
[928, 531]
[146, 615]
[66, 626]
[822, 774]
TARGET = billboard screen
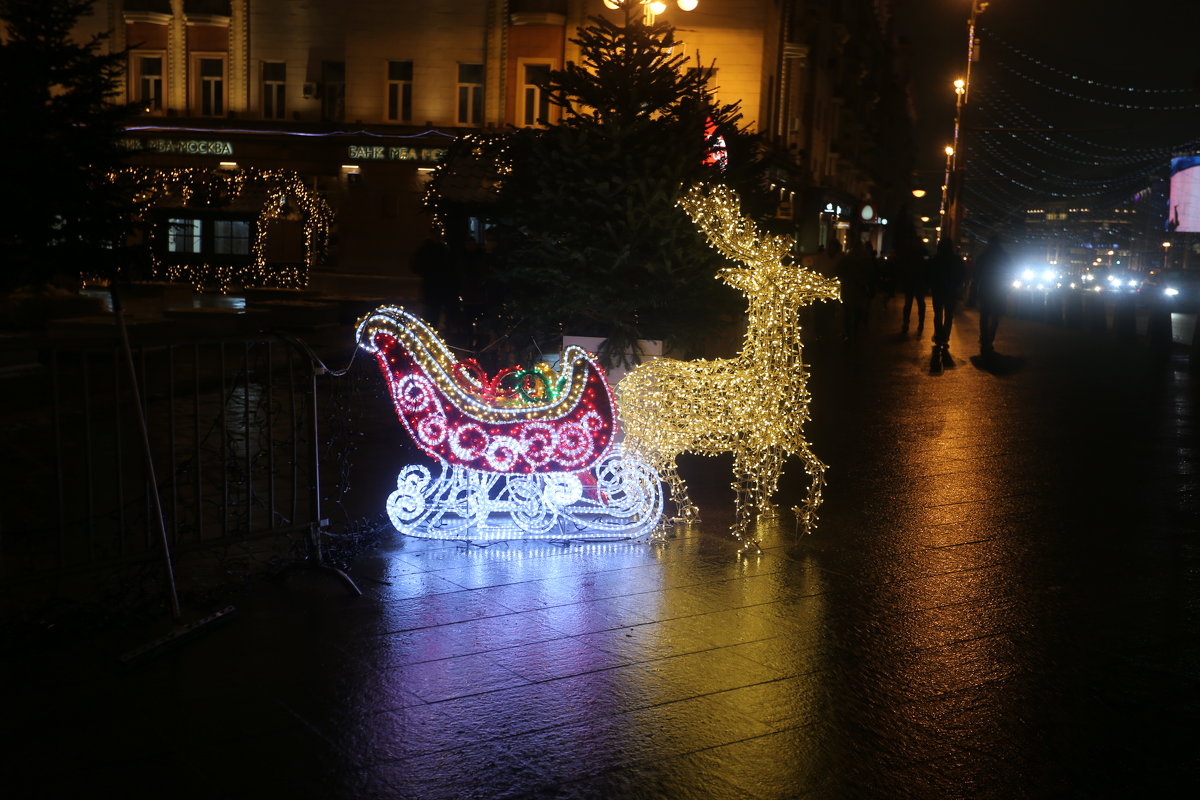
[1184, 213]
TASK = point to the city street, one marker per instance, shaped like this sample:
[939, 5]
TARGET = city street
[1001, 600]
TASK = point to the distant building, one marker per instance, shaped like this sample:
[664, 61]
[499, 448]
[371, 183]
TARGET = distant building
[1076, 237]
[361, 97]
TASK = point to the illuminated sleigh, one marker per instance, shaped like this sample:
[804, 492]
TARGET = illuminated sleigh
[528, 453]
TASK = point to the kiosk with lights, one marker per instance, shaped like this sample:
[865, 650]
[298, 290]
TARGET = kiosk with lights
[527, 453]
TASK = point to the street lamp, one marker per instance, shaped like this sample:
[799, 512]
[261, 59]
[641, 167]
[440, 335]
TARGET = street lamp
[962, 89]
[1166, 253]
[650, 8]
[945, 207]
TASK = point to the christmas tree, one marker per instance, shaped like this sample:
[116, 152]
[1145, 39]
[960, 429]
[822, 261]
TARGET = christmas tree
[591, 241]
[59, 123]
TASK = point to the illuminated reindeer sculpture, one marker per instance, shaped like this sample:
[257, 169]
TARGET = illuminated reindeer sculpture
[754, 404]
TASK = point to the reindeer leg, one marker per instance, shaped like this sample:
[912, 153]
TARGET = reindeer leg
[744, 486]
[686, 512]
[806, 514]
[766, 483]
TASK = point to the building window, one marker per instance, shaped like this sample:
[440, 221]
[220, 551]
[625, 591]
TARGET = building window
[210, 87]
[184, 235]
[274, 86]
[333, 90]
[148, 72]
[399, 91]
[231, 237]
[470, 94]
[535, 102]
[209, 236]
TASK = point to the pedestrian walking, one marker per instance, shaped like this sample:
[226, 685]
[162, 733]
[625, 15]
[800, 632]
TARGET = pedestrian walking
[434, 265]
[823, 314]
[912, 273]
[855, 271]
[945, 279]
[993, 274]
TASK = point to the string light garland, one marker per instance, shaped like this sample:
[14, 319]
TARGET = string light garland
[755, 404]
[472, 172]
[990, 148]
[528, 453]
[198, 188]
[993, 37]
[1002, 115]
[1095, 100]
[1014, 167]
[1018, 156]
[1011, 112]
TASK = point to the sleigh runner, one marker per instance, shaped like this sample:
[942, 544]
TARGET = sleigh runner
[528, 453]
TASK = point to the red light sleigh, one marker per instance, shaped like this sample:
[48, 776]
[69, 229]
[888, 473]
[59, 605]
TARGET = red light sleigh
[528, 453]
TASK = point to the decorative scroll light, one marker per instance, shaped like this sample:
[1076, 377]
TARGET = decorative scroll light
[524, 454]
[754, 404]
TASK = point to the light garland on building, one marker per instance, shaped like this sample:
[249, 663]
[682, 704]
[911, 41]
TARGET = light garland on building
[755, 404]
[198, 188]
[474, 170]
[526, 453]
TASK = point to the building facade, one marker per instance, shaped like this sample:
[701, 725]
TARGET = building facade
[361, 97]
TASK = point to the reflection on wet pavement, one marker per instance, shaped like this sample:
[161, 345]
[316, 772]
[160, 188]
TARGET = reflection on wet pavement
[1000, 601]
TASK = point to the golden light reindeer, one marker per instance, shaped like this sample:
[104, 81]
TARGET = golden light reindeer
[755, 404]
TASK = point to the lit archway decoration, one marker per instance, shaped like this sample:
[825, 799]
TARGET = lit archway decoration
[525, 454]
[755, 404]
[283, 192]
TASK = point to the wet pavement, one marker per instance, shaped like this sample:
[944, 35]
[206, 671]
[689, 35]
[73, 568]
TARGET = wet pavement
[1002, 600]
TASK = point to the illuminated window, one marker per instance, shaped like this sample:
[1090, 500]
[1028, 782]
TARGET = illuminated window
[184, 235]
[333, 90]
[535, 102]
[148, 74]
[210, 86]
[470, 94]
[274, 86]
[399, 91]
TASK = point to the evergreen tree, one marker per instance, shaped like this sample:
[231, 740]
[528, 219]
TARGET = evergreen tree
[60, 129]
[591, 242]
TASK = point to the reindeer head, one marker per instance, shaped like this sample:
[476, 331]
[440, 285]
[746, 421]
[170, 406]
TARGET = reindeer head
[767, 270]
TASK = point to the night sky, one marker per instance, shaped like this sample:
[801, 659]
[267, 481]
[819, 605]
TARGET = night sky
[1036, 59]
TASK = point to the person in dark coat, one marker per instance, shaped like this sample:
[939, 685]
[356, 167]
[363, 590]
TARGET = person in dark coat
[912, 274]
[945, 280]
[855, 271]
[993, 276]
[433, 264]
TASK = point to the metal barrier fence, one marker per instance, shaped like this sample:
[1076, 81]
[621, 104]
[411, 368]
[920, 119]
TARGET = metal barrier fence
[234, 434]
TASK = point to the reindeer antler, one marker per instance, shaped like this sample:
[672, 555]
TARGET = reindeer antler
[716, 210]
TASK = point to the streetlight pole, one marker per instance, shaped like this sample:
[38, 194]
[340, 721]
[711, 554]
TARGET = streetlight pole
[945, 207]
[962, 90]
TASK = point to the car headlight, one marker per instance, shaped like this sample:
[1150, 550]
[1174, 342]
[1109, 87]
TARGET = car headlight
[1170, 291]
